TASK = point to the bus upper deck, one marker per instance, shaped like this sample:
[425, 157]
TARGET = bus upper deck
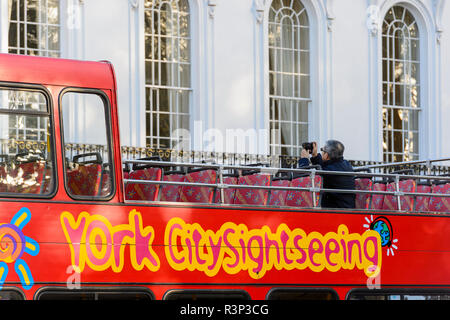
[71, 205]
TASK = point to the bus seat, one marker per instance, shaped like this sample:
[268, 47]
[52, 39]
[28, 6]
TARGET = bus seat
[377, 199]
[171, 193]
[422, 202]
[3, 177]
[440, 204]
[198, 194]
[252, 196]
[137, 191]
[228, 193]
[278, 197]
[406, 202]
[27, 177]
[303, 198]
[84, 179]
[362, 199]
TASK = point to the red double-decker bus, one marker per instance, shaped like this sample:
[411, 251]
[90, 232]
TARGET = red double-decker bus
[75, 225]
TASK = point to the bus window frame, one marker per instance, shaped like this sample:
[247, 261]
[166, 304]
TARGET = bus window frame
[18, 86]
[109, 132]
[109, 289]
[15, 289]
[246, 296]
[396, 291]
[333, 292]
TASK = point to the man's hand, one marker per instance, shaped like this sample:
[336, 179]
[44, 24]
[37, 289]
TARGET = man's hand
[314, 151]
[304, 154]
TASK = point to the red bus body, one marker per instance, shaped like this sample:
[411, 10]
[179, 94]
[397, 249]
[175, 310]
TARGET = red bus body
[162, 246]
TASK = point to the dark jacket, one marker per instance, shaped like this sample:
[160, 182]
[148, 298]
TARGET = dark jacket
[334, 199]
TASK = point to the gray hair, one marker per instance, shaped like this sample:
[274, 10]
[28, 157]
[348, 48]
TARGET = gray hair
[334, 148]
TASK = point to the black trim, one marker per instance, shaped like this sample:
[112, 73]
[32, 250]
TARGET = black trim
[109, 137]
[53, 158]
[173, 292]
[420, 290]
[63, 290]
[14, 289]
[334, 294]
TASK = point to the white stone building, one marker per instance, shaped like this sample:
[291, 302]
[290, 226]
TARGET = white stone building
[373, 74]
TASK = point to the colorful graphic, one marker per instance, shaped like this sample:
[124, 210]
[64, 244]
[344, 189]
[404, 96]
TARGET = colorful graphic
[235, 248]
[13, 244]
[95, 242]
[384, 227]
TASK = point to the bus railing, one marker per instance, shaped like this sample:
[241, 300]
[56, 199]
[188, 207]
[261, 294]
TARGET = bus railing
[220, 185]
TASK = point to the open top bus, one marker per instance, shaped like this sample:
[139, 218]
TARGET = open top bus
[79, 221]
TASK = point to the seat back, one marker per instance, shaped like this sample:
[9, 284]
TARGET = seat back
[3, 177]
[406, 202]
[440, 204]
[303, 198]
[198, 194]
[376, 201]
[228, 193]
[278, 197]
[27, 177]
[422, 202]
[362, 199]
[84, 179]
[171, 193]
[252, 196]
[137, 191]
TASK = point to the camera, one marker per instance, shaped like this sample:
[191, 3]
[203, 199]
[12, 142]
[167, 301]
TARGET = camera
[308, 146]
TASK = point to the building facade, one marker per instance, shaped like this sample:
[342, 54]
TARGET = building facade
[259, 76]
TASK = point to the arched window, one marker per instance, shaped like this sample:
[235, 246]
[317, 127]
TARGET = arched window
[401, 85]
[34, 27]
[167, 70]
[289, 76]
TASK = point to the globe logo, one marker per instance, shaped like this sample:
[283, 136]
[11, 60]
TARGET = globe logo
[382, 228]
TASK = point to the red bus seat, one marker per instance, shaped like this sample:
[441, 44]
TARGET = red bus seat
[84, 180]
[252, 196]
[171, 193]
[377, 199]
[422, 202]
[27, 177]
[228, 193]
[440, 204]
[278, 197]
[3, 178]
[137, 191]
[406, 202]
[198, 194]
[362, 199]
[303, 199]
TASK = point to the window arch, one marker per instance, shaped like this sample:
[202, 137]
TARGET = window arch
[289, 76]
[167, 70]
[400, 85]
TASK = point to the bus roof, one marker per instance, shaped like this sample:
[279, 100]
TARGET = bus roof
[56, 71]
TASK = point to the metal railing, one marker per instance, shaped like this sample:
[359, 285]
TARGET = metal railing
[221, 186]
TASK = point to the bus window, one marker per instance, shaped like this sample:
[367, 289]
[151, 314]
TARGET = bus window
[399, 294]
[202, 295]
[26, 147]
[301, 294]
[95, 294]
[11, 294]
[87, 145]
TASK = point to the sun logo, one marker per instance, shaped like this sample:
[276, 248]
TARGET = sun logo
[13, 244]
[383, 226]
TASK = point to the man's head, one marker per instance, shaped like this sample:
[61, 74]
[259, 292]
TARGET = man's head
[333, 149]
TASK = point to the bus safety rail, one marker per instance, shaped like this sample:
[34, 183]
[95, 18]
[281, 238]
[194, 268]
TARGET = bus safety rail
[312, 173]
